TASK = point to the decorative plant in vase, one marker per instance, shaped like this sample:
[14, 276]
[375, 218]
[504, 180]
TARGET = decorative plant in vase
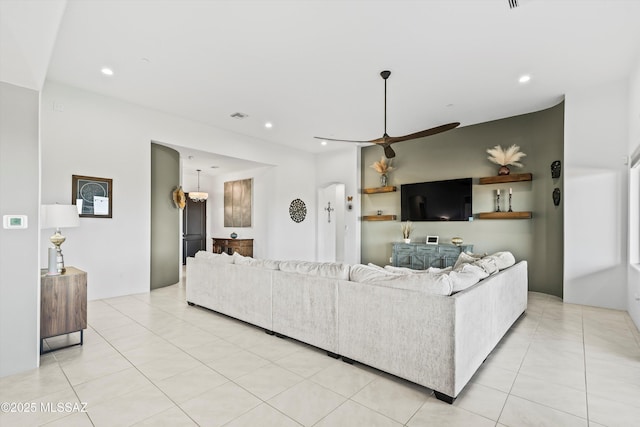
[383, 167]
[406, 228]
[505, 158]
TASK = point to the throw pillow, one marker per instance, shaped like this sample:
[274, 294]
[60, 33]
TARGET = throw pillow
[465, 276]
[466, 258]
[503, 259]
[488, 264]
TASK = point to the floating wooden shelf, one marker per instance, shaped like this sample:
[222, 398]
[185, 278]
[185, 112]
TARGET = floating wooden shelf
[516, 177]
[388, 189]
[504, 215]
[379, 217]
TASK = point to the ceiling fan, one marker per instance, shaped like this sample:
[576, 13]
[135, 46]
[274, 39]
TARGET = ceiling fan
[387, 140]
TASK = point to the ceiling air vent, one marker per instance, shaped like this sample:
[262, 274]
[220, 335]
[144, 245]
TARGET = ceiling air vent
[513, 3]
[239, 116]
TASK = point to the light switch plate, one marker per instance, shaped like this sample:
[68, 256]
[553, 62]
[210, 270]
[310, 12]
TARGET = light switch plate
[14, 221]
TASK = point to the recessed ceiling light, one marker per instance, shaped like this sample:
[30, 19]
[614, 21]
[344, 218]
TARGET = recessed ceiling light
[107, 71]
[323, 143]
[524, 78]
[268, 125]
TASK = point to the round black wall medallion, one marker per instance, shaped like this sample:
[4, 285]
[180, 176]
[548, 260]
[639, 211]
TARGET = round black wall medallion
[297, 210]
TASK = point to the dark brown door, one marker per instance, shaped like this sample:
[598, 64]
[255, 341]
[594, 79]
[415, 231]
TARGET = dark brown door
[194, 228]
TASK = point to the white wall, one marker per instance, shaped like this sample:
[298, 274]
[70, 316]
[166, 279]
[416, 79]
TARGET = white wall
[19, 195]
[343, 166]
[596, 196]
[633, 305]
[260, 206]
[104, 137]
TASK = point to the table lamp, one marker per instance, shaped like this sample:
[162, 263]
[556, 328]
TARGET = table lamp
[59, 216]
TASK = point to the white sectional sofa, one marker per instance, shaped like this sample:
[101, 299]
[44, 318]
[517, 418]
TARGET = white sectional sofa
[434, 328]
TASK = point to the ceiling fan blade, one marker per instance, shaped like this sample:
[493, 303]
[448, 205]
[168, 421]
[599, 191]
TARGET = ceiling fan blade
[341, 140]
[388, 152]
[423, 133]
[382, 140]
[387, 140]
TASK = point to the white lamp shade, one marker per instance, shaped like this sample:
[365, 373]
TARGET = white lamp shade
[59, 216]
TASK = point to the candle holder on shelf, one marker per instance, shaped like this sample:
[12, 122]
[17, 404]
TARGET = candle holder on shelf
[498, 202]
[510, 210]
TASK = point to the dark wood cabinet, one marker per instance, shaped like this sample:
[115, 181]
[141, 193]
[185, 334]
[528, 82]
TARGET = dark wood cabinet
[244, 247]
[63, 304]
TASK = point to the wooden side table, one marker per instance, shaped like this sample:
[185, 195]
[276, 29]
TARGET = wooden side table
[63, 305]
[243, 246]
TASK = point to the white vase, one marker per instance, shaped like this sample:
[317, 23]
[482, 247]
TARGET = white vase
[407, 240]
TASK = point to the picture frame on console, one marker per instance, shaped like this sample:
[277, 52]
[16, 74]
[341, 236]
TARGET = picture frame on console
[432, 240]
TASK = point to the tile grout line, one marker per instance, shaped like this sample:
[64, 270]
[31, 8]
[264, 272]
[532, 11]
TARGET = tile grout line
[136, 367]
[74, 390]
[521, 362]
[229, 380]
[538, 403]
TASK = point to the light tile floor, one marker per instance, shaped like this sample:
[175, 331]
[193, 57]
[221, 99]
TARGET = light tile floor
[151, 360]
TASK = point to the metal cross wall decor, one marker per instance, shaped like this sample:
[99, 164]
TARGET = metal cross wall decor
[329, 209]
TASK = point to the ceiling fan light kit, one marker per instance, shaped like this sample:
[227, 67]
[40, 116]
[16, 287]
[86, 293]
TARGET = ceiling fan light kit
[385, 141]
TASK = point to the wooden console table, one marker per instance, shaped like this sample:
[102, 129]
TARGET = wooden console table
[244, 247]
[63, 305]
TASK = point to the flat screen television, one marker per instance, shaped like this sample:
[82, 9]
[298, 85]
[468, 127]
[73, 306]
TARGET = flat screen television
[449, 200]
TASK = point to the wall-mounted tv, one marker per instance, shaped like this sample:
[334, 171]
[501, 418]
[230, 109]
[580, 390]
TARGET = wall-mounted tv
[449, 200]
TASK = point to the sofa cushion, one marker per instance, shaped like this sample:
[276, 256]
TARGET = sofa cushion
[430, 283]
[407, 270]
[222, 258]
[465, 276]
[367, 273]
[333, 270]
[253, 262]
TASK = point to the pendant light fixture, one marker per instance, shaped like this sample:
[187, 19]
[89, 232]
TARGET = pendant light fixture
[198, 196]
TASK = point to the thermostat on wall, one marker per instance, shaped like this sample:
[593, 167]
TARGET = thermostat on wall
[14, 221]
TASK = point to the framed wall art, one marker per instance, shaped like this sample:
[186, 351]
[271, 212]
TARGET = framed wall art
[92, 196]
[237, 203]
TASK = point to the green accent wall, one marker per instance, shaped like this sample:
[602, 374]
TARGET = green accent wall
[461, 153]
[165, 217]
